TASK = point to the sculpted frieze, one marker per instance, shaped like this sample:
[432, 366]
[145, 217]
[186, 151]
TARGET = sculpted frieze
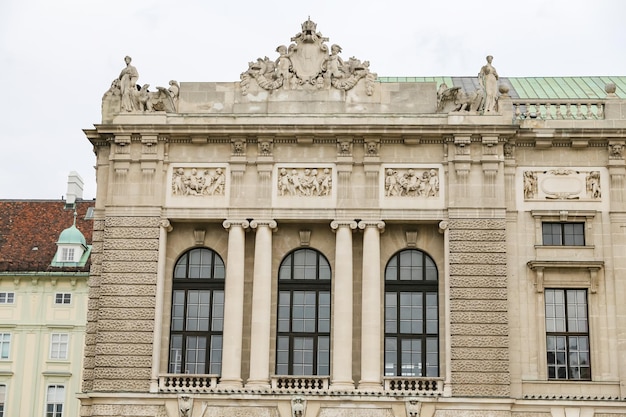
[562, 184]
[411, 182]
[307, 64]
[199, 181]
[304, 182]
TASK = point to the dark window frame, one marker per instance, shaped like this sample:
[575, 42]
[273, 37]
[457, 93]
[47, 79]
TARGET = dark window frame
[570, 339]
[397, 287]
[190, 280]
[559, 235]
[291, 287]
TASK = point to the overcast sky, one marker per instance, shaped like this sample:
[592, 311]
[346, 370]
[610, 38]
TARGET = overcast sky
[58, 57]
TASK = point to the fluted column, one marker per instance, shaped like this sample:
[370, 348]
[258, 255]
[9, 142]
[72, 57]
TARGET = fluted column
[233, 306]
[371, 310]
[164, 228]
[261, 304]
[341, 374]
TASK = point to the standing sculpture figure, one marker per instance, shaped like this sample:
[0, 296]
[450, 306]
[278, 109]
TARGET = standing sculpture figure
[128, 81]
[488, 79]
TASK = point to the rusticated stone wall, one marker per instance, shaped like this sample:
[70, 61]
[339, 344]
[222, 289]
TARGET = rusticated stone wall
[95, 276]
[478, 308]
[121, 306]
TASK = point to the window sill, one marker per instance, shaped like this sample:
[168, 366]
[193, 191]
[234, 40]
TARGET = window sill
[571, 389]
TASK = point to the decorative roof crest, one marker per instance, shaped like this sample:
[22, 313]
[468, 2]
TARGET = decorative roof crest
[307, 65]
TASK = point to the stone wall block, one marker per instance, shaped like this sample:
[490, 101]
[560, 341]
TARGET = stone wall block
[459, 353]
[479, 329]
[131, 255]
[131, 244]
[131, 233]
[472, 413]
[128, 221]
[498, 317]
[482, 365]
[475, 269]
[135, 410]
[127, 302]
[479, 390]
[473, 341]
[125, 337]
[478, 281]
[123, 349]
[129, 325]
[478, 235]
[125, 373]
[123, 361]
[129, 290]
[121, 385]
[478, 305]
[489, 258]
[480, 378]
[478, 293]
[126, 314]
[134, 279]
[477, 224]
[129, 267]
[477, 246]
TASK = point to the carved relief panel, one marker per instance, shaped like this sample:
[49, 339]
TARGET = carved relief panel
[310, 185]
[415, 185]
[198, 184]
[587, 187]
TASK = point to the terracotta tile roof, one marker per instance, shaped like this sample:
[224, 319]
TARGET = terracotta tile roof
[29, 224]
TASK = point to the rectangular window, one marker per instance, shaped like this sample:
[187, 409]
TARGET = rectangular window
[567, 334]
[59, 343]
[55, 400]
[3, 394]
[563, 234]
[7, 297]
[5, 345]
[67, 254]
[62, 298]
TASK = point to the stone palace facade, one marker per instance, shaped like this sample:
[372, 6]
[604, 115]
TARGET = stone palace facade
[313, 241]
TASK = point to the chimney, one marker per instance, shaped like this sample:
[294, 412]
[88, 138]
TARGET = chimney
[74, 188]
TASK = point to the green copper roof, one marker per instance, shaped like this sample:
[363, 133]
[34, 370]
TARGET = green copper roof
[534, 87]
[72, 235]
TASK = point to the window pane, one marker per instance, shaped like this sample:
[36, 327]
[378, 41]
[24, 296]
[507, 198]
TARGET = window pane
[303, 316]
[411, 313]
[197, 313]
[391, 357]
[567, 354]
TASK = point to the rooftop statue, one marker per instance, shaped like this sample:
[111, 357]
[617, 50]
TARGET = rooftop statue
[484, 99]
[125, 95]
[307, 65]
[488, 78]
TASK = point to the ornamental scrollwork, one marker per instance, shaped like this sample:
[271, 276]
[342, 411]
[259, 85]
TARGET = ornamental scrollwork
[307, 64]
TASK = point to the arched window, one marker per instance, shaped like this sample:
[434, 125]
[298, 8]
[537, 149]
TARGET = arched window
[411, 315]
[303, 336]
[197, 313]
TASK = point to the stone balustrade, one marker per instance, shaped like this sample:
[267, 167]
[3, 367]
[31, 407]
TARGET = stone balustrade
[572, 109]
[187, 383]
[414, 386]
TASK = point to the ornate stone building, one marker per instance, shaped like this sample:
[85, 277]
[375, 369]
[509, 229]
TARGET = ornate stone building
[315, 241]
